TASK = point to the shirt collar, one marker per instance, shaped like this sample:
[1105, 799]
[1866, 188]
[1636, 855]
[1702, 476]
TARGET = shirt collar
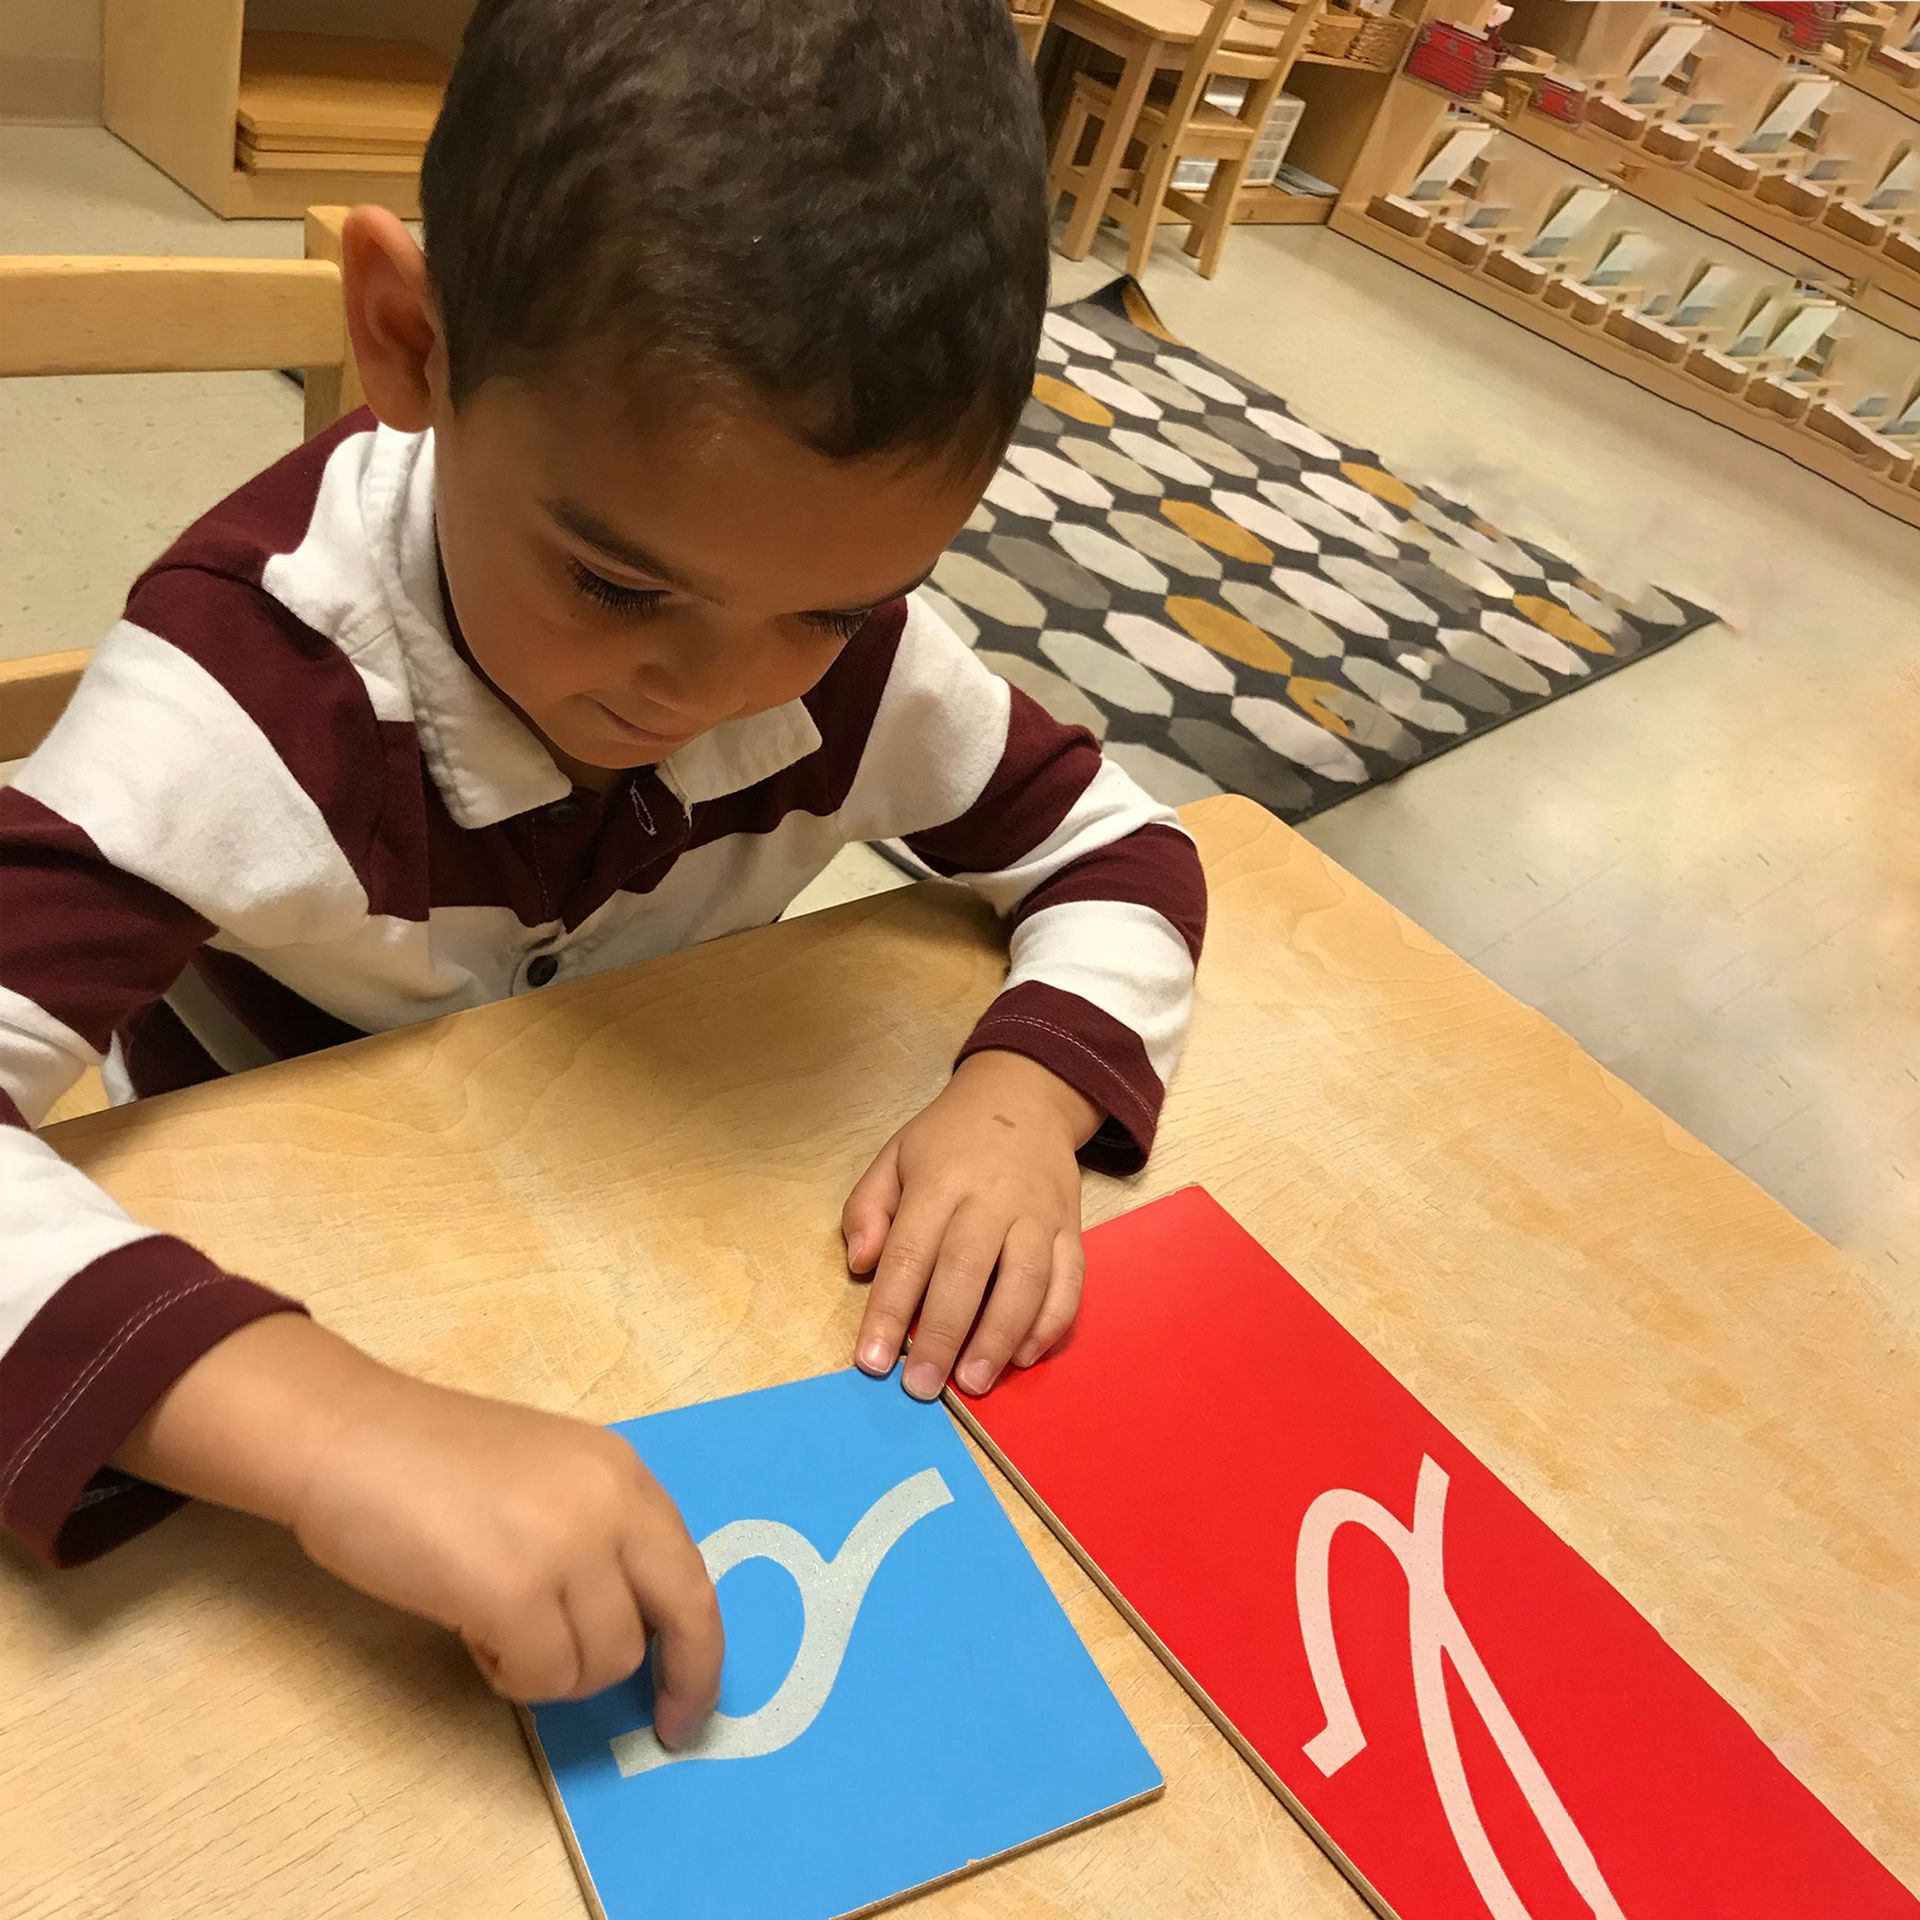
[485, 759]
[741, 752]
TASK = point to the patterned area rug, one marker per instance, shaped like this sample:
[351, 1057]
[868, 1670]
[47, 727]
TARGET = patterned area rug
[1233, 601]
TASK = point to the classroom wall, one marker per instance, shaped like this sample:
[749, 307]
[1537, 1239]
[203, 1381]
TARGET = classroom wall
[50, 60]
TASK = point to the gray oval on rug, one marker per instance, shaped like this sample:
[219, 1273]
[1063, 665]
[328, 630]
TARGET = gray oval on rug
[1232, 601]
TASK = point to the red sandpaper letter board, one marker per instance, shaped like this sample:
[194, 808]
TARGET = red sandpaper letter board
[1470, 1720]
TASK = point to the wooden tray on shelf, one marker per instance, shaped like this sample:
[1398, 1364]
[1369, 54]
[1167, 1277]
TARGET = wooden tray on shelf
[254, 159]
[302, 87]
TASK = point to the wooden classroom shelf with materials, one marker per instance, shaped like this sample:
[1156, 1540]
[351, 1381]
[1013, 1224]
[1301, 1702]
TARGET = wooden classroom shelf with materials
[1705, 213]
[260, 124]
[1340, 96]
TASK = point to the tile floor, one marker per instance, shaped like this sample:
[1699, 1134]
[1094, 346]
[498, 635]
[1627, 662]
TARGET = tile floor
[1707, 869]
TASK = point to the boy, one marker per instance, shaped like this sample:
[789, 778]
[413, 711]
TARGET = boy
[591, 643]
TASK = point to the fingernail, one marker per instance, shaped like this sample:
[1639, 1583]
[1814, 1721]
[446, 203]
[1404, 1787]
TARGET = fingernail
[853, 1252]
[876, 1357]
[923, 1380]
[976, 1376]
[1027, 1355]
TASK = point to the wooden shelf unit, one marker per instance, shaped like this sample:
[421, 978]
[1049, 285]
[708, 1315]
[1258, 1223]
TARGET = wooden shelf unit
[1602, 349]
[1280, 207]
[1341, 99]
[1868, 281]
[1767, 32]
[171, 91]
[1880, 290]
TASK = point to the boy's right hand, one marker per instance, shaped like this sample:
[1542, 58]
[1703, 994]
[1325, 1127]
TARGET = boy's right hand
[543, 1541]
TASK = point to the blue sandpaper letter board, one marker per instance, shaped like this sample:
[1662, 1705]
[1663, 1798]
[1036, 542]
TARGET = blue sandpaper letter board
[903, 1698]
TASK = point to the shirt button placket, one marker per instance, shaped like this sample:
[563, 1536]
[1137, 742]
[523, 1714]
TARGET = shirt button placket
[542, 968]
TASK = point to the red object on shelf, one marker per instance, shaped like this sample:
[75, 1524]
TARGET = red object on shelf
[1809, 23]
[1561, 100]
[1455, 1699]
[1454, 59]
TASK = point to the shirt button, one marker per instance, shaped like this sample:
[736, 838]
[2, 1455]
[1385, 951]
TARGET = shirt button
[541, 969]
[563, 813]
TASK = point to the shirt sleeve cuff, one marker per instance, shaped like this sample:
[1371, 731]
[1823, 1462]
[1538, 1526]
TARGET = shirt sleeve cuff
[1093, 1053]
[85, 1370]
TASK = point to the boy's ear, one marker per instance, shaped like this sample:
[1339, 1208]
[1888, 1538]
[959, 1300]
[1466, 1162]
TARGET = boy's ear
[391, 318]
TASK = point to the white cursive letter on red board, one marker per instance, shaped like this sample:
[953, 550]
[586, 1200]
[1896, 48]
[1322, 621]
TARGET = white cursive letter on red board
[1436, 1636]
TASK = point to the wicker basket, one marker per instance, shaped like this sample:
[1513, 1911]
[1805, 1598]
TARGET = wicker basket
[1333, 34]
[1381, 41]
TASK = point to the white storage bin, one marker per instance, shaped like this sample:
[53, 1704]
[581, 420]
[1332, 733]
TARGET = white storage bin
[1269, 149]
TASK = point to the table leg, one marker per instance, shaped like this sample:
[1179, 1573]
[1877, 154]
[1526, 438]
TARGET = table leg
[1129, 91]
[1059, 61]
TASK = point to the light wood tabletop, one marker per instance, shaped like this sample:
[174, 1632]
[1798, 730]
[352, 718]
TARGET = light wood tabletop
[622, 1195]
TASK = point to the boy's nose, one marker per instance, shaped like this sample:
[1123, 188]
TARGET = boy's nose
[705, 686]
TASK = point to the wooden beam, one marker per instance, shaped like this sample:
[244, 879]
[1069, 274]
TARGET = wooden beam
[33, 695]
[79, 313]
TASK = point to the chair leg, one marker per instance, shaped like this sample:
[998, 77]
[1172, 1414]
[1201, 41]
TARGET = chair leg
[1156, 176]
[1066, 153]
[1110, 150]
[1226, 185]
[1202, 222]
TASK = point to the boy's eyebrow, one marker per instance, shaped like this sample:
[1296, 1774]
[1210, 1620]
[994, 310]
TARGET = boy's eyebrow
[588, 526]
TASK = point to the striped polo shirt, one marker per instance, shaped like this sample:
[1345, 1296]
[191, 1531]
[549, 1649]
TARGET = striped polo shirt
[282, 811]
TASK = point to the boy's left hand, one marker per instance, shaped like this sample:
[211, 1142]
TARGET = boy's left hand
[983, 1178]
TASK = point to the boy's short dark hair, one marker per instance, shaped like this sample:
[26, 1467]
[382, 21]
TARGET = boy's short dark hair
[837, 205]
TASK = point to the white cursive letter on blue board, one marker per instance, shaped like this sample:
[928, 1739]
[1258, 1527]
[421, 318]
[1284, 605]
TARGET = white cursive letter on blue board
[830, 1595]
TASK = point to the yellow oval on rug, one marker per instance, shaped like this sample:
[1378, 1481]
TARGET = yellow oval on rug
[1069, 400]
[1564, 624]
[1383, 486]
[1215, 530]
[1228, 635]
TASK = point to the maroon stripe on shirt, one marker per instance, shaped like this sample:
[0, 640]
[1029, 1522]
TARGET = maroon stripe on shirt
[1044, 768]
[1155, 866]
[284, 1022]
[84, 1371]
[80, 937]
[294, 684]
[10, 1114]
[269, 515]
[1092, 1052]
[842, 705]
[397, 871]
[161, 1055]
[497, 866]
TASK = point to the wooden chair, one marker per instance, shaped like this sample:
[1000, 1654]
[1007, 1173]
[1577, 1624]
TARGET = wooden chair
[108, 313]
[1149, 124]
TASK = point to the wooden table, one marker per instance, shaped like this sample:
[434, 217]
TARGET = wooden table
[622, 1195]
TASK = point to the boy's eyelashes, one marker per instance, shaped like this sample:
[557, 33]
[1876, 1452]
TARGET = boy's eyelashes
[610, 593]
[639, 602]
